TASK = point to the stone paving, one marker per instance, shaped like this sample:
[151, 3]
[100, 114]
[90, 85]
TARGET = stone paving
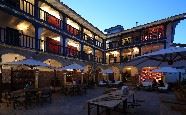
[76, 105]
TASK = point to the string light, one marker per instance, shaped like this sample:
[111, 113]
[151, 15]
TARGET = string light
[148, 74]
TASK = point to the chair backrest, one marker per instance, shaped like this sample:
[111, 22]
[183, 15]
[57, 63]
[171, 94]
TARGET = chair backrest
[166, 85]
[46, 92]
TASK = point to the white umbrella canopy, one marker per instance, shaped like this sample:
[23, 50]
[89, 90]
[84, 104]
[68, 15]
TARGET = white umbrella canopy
[174, 56]
[27, 62]
[168, 70]
[72, 66]
[107, 71]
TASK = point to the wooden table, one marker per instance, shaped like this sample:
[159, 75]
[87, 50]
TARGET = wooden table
[74, 89]
[27, 97]
[109, 101]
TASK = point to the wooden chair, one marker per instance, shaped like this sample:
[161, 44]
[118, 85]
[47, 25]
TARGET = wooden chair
[45, 95]
[19, 100]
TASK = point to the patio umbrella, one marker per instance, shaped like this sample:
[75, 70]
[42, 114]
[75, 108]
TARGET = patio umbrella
[107, 71]
[170, 70]
[174, 56]
[30, 63]
[27, 62]
[72, 67]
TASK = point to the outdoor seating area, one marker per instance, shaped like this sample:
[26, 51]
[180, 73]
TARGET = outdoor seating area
[144, 103]
[153, 85]
[73, 90]
[53, 61]
[26, 98]
[25, 90]
[109, 83]
[110, 102]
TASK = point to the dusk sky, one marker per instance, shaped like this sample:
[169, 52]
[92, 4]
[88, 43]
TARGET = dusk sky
[108, 13]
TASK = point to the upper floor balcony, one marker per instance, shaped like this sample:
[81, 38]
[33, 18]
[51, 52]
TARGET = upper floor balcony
[139, 37]
[17, 38]
[47, 15]
[131, 43]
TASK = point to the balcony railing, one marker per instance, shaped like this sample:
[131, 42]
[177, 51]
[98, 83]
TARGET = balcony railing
[98, 59]
[87, 57]
[117, 44]
[73, 31]
[71, 52]
[22, 5]
[29, 8]
[50, 19]
[14, 37]
[98, 43]
[92, 41]
[88, 39]
[53, 46]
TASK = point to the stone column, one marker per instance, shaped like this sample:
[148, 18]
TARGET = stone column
[81, 33]
[104, 53]
[38, 32]
[64, 43]
[120, 52]
[81, 50]
[94, 55]
[61, 45]
[36, 78]
[139, 50]
[0, 67]
[64, 22]
[65, 78]
[82, 79]
[104, 57]
[36, 10]
[0, 77]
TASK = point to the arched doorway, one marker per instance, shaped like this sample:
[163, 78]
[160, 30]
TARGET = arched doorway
[130, 73]
[11, 77]
[51, 77]
[116, 73]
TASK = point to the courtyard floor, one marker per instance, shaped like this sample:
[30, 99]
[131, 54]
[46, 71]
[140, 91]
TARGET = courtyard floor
[76, 105]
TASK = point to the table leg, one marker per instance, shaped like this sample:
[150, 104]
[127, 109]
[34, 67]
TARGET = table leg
[125, 105]
[97, 109]
[108, 111]
[89, 109]
[133, 99]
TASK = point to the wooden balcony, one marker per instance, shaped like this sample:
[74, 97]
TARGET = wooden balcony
[16, 38]
[73, 31]
[98, 59]
[135, 42]
[37, 13]
[92, 41]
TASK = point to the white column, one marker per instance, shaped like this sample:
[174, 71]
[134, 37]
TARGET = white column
[61, 43]
[120, 77]
[38, 37]
[65, 78]
[82, 78]
[36, 78]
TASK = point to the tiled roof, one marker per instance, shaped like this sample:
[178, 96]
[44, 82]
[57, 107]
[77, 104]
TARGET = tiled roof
[157, 22]
[75, 16]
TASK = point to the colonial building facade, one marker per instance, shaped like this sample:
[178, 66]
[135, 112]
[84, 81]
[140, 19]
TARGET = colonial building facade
[50, 31]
